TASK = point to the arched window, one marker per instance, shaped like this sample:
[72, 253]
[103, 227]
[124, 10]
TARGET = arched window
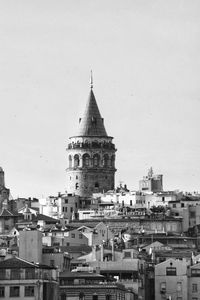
[113, 161]
[95, 297]
[105, 160]
[86, 160]
[76, 161]
[81, 296]
[63, 296]
[70, 161]
[96, 160]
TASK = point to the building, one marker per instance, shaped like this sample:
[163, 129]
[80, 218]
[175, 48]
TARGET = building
[89, 286]
[91, 154]
[151, 182]
[21, 279]
[171, 281]
[4, 192]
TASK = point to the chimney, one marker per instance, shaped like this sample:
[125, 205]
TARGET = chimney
[113, 250]
[102, 252]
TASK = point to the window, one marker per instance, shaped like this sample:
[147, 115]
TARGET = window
[81, 296]
[65, 209]
[71, 209]
[52, 263]
[127, 254]
[195, 273]
[179, 286]
[73, 235]
[182, 204]
[194, 288]
[96, 160]
[163, 287]
[174, 205]
[29, 273]
[2, 273]
[29, 291]
[14, 291]
[95, 297]
[171, 271]
[2, 291]
[192, 214]
[80, 236]
[63, 297]
[66, 201]
[131, 202]
[15, 273]
[76, 161]
[108, 297]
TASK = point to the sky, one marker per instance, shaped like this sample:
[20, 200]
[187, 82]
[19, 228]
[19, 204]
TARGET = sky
[146, 68]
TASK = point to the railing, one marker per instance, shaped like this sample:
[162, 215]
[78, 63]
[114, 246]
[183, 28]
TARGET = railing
[92, 145]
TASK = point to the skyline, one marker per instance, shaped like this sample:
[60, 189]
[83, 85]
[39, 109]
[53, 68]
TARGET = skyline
[145, 61]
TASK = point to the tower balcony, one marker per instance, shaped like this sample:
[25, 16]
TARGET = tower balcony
[92, 145]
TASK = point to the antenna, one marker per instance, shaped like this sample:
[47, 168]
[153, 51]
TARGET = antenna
[91, 80]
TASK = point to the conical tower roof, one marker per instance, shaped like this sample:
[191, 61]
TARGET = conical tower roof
[91, 124]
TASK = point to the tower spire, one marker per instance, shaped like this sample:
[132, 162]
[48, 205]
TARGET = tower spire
[91, 80]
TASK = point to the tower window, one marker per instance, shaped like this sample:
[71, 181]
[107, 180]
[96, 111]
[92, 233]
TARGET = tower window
[70, 161]
[76, 161]
[96, 160]
[76, 185]
[86, 160]
[105, 160]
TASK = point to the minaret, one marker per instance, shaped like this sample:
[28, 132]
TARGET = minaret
[4, 192]
[91, 154]
[2, 181]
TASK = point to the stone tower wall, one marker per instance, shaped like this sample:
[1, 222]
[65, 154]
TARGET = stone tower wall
[91, 165]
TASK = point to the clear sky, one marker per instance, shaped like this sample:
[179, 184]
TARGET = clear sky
[145, 57]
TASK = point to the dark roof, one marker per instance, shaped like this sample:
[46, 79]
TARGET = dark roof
[91, 124]
[75, 249]
[67, 274]
[18, 263]
[6, 213]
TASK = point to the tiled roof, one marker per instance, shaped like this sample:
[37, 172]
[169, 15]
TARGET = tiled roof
[75, 249]
[18, 263]
[81, 275]
[91, 124]
[6, 213]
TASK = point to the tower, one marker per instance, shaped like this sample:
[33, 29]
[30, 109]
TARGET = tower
[90, 154]
[4, 192]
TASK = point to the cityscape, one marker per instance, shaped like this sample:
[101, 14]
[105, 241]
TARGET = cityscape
[97, 241]
[100, 150]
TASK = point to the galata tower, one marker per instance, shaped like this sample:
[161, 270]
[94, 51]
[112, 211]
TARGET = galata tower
[90, 154]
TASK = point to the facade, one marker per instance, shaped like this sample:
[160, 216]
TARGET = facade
[89, 286]
[91, 155]
[151, 182]
[20, 279]
[171, 281]
[98, 234]
[30, 245]
[63, 207]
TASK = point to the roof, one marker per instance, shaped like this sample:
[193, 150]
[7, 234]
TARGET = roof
[6, 213]
[76, 249]
[16, 262]
[81, 275]
[91, 124]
